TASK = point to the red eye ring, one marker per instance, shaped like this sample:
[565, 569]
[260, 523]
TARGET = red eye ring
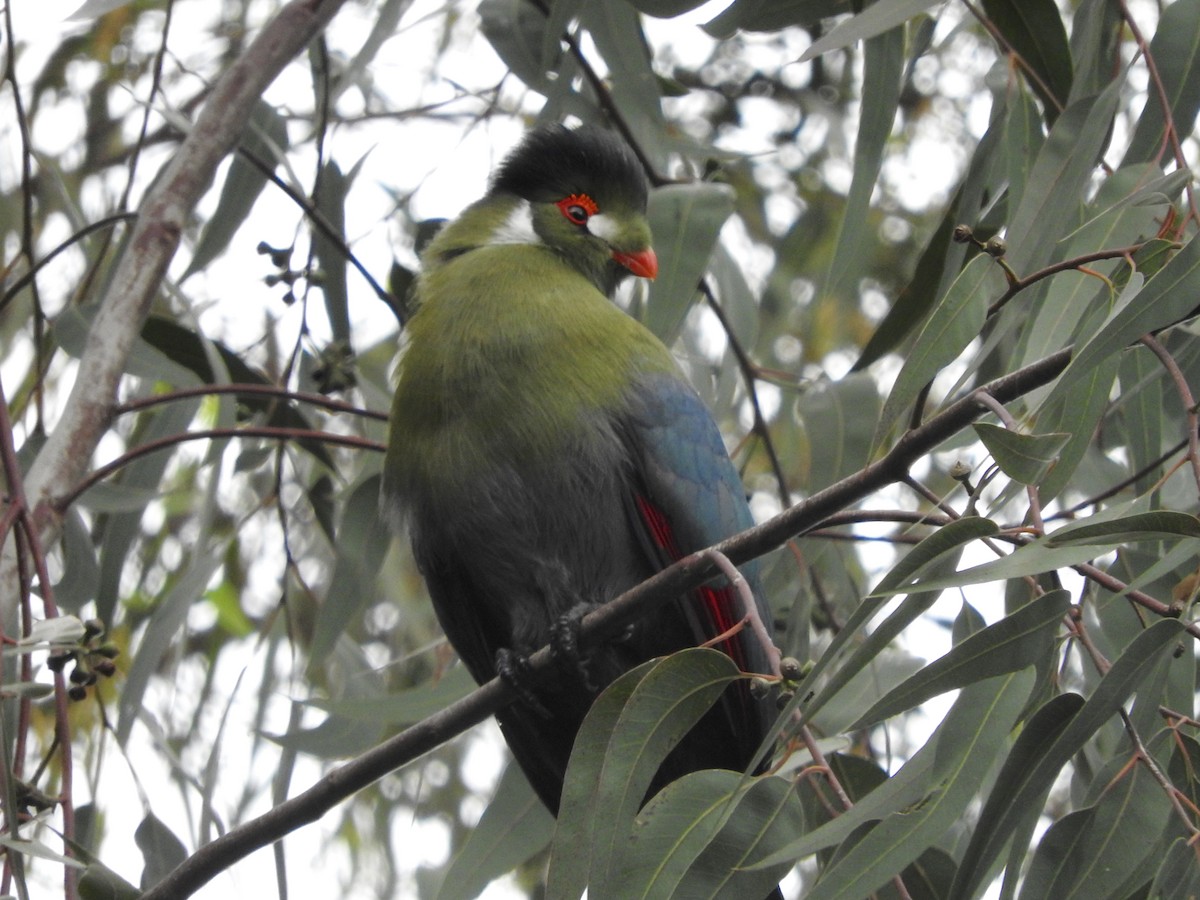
[578, 208]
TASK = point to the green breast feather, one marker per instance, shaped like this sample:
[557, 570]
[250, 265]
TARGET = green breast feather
[512, 355]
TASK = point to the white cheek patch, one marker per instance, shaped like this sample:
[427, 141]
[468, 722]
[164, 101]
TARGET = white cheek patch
[517, 228]
[603, 227]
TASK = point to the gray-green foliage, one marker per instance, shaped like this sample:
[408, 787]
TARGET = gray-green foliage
[1028, 577]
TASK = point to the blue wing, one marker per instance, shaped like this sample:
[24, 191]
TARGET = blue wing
[688, 496]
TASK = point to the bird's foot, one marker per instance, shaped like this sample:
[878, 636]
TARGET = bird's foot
[564, 645]
[513, 668]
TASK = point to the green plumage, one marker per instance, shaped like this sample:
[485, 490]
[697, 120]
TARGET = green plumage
[546, 453]
[495, 370]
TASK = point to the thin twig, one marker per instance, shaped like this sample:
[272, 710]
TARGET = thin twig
[1170, 131]
[750, 377]
[263, 390]
[263, 431]
[1067, 265]
[750, 613]
[1031, 490]
[1142, 755]
[1185, 397]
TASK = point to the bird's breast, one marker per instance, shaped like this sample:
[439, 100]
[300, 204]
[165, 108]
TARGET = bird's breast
[513, 370]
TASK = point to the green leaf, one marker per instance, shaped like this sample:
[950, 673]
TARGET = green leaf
[266, 139]
[1075, 303]
[948, 539]
[514, 828]
[1063, 844]
[516, 30]
[1021, 639]
[168, 618]
[917, 297]
[699, 834]
[573, 845]
[1044, 556]
[838, 418]
[883, 67]
[873, 669]
[161, 849]
[141, 479]
[685, 220]
[1168, 297]
[1096, 27]
[1161, 524]
[336, 737]
[1075, 411]
[1178, 876]
[332, 187]
[1104, 848]
[616, 30]
[1023, 457]
[877, 18]
[1175, 49]
[954, 323]
[189, 349]
[1063, 169]
[1023, 140]
[620, 746]
[771, 15]
[362, 542]
[939, 551]
[402, 707]
[1026, 787]
[70, 332]
[1035, 32]
[942, 257]
[967, 741]
[81, 567]
[383, 28]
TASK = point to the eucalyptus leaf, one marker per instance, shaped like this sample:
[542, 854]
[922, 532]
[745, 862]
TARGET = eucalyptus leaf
[1175, 49]
[955, 322]
[1016, 641]
[1027, 789]
[1034, 31]
[1026, 458]
[265, 141]
[514, 827]
[875, 19]
[1168, 297]
[685, 220]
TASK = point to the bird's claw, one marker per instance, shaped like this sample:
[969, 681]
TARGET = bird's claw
[564, 646]
[513, 669]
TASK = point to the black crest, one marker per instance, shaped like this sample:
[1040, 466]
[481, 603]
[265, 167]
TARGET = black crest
[554, 161]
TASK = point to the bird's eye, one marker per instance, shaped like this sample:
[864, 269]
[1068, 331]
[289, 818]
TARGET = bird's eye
[578, 208]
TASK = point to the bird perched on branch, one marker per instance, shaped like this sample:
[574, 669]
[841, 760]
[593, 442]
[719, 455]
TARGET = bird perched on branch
[547, 454]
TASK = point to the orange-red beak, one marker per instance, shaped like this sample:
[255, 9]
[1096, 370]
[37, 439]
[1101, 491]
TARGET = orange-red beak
[643, 263]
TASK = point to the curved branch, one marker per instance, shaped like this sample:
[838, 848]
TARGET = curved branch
[264, 431]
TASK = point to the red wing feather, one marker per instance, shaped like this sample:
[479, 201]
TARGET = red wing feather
[719, 604]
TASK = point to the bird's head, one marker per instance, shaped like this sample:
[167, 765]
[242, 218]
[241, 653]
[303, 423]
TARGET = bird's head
[582, 193]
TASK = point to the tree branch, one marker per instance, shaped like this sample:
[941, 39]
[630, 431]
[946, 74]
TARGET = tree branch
[600, 624]
[139, 273]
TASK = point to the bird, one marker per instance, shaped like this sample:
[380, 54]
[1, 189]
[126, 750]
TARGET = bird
[546, 452]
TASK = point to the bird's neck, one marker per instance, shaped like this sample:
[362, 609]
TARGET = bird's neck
[508, 221]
